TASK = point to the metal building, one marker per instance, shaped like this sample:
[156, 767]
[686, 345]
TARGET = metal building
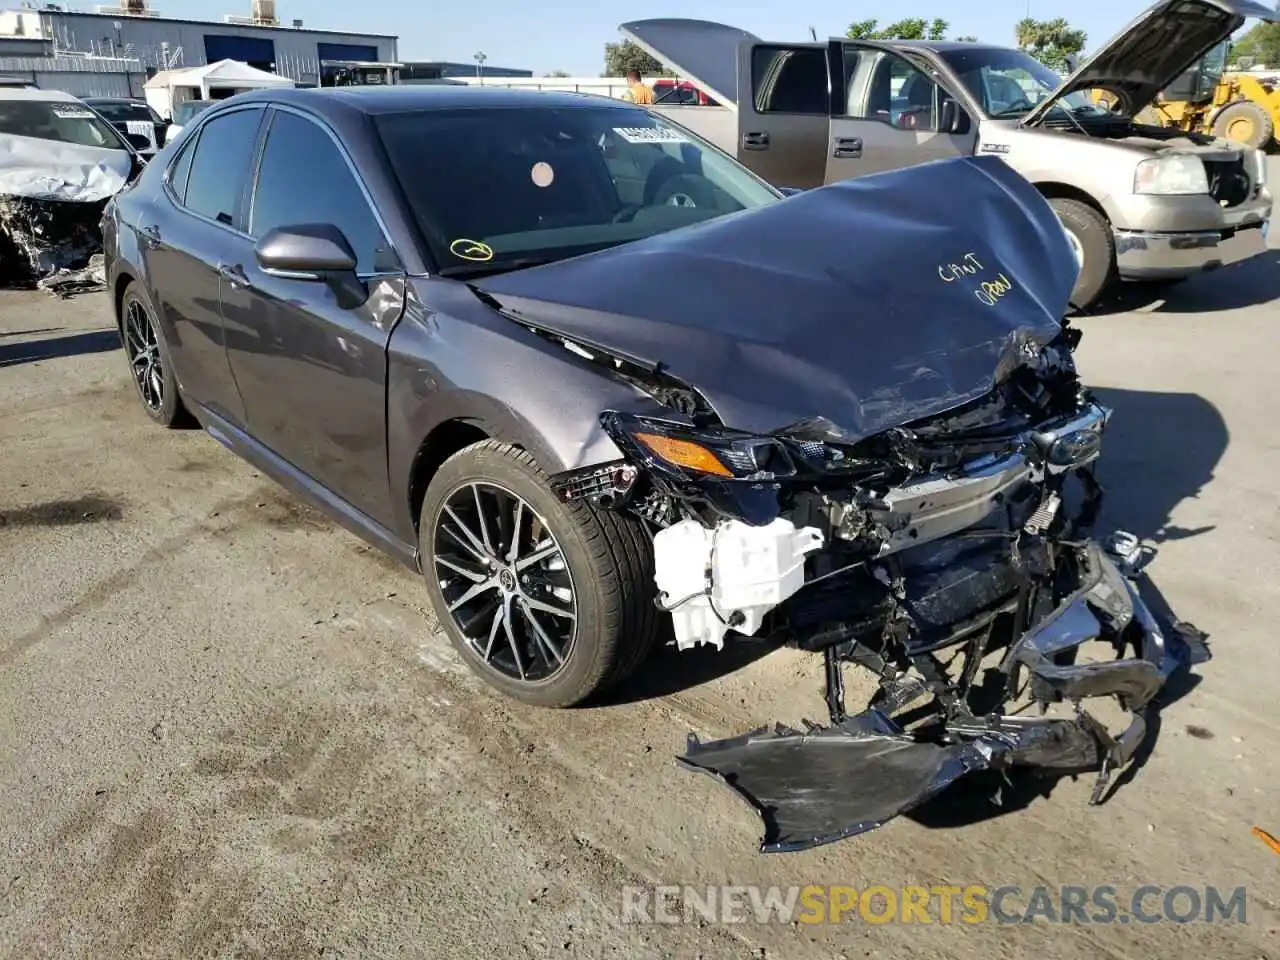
[114, 43]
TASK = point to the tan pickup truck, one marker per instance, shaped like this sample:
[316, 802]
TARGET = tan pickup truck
[1139, 202]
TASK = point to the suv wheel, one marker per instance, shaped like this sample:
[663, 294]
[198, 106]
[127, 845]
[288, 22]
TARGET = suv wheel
[149, 359]
[549, 602]
[1094, 247]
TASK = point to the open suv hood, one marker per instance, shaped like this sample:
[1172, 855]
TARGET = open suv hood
[1153, 50]
[698, 50]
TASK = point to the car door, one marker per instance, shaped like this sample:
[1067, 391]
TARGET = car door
[184, 235]
[888, 113]
[312, 372]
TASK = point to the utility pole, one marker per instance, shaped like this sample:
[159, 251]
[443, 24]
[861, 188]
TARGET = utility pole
[479, 58]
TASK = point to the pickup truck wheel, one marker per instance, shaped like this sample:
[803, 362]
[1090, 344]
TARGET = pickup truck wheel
[549, 602]
[1094, 246]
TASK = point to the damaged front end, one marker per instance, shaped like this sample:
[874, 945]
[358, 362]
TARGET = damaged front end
[949, 556]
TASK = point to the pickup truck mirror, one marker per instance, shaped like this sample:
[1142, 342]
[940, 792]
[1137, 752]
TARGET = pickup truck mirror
[954, 119]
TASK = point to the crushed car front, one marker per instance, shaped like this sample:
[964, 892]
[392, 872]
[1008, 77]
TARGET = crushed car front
[865, 437]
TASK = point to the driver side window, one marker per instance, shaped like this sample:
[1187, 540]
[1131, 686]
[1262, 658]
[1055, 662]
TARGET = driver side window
[886, 87]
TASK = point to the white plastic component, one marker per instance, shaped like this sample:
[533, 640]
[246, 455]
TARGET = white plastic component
[745, 571]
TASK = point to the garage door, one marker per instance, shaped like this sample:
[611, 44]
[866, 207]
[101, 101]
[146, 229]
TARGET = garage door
[254, 51]
[346, 51]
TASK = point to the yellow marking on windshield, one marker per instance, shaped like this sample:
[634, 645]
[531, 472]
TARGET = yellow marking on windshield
[465, 249]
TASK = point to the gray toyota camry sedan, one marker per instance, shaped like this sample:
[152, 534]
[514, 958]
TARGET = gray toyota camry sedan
[603, 387]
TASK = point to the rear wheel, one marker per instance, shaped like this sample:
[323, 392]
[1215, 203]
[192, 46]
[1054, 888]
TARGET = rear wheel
[1245, 122]
[549, 602]
[1094, 248]
[149, 359]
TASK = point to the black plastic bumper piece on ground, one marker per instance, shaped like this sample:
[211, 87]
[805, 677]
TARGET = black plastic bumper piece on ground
[827, 783]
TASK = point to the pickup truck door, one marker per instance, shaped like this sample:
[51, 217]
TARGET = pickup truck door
[889, 112]
[784, 112]
[775, 106]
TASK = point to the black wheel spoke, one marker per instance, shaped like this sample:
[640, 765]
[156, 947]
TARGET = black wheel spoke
[504, 580]
[544, 642]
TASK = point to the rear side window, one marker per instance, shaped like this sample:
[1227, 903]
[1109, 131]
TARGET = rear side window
[181, 170]
[304, 178]
[219, 164]
[789, 80]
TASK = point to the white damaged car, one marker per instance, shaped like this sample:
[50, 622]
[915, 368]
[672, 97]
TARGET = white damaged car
[59, 164]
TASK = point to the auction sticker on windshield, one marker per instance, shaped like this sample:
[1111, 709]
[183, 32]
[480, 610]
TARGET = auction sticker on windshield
[72, 113]
[649, 135]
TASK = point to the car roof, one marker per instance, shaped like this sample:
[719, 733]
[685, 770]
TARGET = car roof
[403, 98]
[26, 93]
[112, 100]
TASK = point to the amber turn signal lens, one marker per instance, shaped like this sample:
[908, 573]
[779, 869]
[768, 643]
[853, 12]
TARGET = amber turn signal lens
[684, 454]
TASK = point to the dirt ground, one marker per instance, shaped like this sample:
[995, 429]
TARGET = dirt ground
[228, 728]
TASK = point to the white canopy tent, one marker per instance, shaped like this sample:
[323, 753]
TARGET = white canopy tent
[210, 82]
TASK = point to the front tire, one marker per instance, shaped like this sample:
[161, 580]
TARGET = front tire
[549, 602]
[150, 363]
[1094, 246]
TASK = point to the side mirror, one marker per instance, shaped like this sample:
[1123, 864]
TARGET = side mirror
[953, 118]
[315, 252]
[138, 141]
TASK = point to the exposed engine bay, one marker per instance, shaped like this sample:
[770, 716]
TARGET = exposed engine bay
[949, 556]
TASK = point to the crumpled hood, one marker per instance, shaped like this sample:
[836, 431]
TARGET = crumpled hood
[1152, 51]
[51, 170]
[869, 303]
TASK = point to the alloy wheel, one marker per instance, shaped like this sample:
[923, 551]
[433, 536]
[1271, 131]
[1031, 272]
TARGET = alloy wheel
[505, 581]
[143, 347]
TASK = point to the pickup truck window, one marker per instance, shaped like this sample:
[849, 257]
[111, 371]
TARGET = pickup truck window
[789, 80]
[886, 87]
[1008, 83]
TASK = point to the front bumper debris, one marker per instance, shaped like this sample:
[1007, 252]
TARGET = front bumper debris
[40, 238]
[823, 784]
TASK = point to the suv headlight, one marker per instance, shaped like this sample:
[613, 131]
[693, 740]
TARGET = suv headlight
[1175, 174]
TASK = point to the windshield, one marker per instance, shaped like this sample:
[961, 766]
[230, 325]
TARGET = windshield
[1008, 83]
[64, 121]
[498, 188]
[187, 109]
[122, 111]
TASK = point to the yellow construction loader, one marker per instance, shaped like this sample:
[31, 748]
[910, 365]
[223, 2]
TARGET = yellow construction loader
[1207, 99]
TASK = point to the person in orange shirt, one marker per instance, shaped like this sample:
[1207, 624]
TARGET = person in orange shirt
[639, 92]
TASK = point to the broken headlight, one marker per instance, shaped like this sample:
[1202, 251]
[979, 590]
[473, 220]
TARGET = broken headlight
[710, 452]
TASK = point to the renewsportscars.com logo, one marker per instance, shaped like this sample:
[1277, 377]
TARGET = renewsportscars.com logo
[941, 904]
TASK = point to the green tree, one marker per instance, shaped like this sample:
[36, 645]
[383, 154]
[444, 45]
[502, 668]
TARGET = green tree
[1050, 41]
[623, 56]
[913, 28]
[1262, 43]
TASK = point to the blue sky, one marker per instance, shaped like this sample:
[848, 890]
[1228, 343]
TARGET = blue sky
[546, 35]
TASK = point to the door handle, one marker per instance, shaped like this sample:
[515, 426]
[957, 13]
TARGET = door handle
[847, 148]
[755, 141]
[233, 274]
[150, 236]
